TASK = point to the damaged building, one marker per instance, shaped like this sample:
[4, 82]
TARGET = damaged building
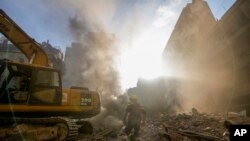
[162, 90]
[55, 55]
[208, 59]
[72, 62]
[10, 52]
[212, 55]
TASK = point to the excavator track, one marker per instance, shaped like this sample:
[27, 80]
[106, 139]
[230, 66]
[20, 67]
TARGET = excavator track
[66, 128]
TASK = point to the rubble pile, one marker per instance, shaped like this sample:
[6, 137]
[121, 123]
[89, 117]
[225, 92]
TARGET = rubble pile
[196, 125]
[193, 126]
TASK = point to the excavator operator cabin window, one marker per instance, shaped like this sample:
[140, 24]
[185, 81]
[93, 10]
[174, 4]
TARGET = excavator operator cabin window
[47, 87]
[47, 78]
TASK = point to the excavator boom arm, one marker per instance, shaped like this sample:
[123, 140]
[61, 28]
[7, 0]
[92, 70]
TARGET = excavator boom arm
[28, 46]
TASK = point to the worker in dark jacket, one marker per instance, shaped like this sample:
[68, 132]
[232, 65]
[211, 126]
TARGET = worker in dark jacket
[133, 117]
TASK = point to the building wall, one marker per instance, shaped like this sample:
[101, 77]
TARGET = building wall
[235, 25]
[10, 52]
[216, 52]
[73, 57]
[187, 40]
[55, 56]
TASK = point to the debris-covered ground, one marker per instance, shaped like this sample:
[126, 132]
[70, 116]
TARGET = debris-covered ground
[193, 126]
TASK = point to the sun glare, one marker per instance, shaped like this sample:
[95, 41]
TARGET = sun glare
[142, 60]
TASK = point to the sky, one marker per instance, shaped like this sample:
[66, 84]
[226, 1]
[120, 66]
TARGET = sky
[141, 26]
[45, 19]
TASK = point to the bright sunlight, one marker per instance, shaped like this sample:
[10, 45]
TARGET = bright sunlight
[142, 60]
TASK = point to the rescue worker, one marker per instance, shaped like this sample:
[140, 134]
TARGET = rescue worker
[133, 117]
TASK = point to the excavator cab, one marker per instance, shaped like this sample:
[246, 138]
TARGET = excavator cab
[25, 84]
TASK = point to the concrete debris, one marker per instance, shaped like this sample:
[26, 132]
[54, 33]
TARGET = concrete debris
[193, 126]
[99, 135]
[198, 135]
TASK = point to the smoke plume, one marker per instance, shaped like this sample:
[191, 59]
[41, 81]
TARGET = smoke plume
[97, 64]
[96, 59]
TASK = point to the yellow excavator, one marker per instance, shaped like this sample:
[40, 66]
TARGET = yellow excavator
[31, 95]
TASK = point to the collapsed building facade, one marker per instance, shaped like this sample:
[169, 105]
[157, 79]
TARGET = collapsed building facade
[212, 56]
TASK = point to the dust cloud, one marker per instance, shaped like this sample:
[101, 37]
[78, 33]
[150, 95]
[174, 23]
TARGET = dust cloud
[208, 83]
[99, 48]
[97, 59]
[189, 80]
[99, 51]
[157, 96]
[199, 67]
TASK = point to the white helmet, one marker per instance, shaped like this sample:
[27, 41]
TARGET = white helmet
[133, 98]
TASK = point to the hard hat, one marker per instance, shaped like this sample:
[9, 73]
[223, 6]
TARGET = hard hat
[133, 98]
